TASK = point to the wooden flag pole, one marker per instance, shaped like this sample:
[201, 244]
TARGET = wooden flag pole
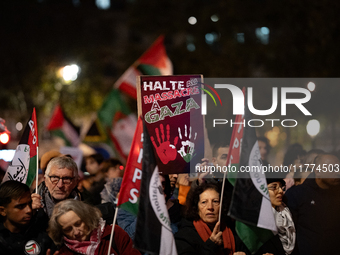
[37, 173]
[113, 227]
[221, 199]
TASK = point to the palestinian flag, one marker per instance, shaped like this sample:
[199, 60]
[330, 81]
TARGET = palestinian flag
[153, 62]
[118, 122]
[152, 214]
[233, 158]
[129, 190]
[95, 134]
[24, 165]
[250, 204]
[62, 127]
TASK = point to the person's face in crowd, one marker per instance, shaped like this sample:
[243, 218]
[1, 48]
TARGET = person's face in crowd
[327, 177]
[209, 206]
[275, 193]
[263, 150]
[60, 189]
[221, 158]
[173, 180]
[113, 172]
[18, 212]
[92, 166]
[73, 227]
[162, 180]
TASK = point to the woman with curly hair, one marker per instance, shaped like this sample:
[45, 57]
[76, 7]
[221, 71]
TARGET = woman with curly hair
[202, 233]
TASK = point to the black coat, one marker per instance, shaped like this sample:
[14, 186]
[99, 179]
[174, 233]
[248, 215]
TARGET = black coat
[316, 215]
[34, 236]
[188, 241]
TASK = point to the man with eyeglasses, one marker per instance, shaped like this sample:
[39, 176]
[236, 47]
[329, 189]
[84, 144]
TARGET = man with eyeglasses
[61, 180]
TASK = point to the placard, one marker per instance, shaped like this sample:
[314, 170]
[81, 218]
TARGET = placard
[171, 108]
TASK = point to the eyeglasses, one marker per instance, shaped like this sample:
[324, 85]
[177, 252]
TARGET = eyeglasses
[277, 187]
[66, 180]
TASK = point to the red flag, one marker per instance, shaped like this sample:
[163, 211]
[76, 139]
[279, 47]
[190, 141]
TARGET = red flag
[129, 191]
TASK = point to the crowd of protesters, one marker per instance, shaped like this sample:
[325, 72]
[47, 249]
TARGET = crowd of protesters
[68, 214]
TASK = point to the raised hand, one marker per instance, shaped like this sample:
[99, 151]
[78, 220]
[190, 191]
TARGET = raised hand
[165, 151]
[216, 235]
[188, 147]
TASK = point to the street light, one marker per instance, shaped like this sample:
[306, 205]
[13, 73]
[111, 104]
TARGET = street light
[70, 73]
[4, 138]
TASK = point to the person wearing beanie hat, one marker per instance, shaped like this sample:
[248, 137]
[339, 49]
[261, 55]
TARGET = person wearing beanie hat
[46, 157]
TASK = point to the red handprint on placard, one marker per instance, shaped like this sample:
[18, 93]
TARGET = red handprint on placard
[165, 151]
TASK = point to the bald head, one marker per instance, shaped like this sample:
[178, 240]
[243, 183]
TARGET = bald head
[327, 172]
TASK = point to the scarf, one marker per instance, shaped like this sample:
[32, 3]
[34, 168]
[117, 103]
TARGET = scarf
[48, 202]
[87, 247]
[111, 190]
[286, 228]
[228, 238]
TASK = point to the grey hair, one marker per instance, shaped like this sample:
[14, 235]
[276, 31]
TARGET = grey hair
[90, 215]
[63, 162]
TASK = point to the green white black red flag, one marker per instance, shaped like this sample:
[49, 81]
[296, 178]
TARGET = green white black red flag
[250, 204]
[153, 231]
[23, 167]
[154, 61]
[62, 127]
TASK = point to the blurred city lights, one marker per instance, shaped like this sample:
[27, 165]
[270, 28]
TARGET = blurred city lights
[265, 30]
[70, 72]
[263, 34]
[313, 127]
[191, 47]
[240, 37]
[192, 20]
[311, 86]
[4, 138]
[7, 155]
[210, 38]
[214, 18]
[103, 4]
[19, 126]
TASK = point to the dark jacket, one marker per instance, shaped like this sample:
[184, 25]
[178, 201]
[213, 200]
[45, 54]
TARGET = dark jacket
[34, 237]
[316, 214]
[188, 241]
[273, 246]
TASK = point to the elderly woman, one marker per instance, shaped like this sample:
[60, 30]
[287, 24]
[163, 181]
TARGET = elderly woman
[284, 242]
[203, 233]
[79, 229]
